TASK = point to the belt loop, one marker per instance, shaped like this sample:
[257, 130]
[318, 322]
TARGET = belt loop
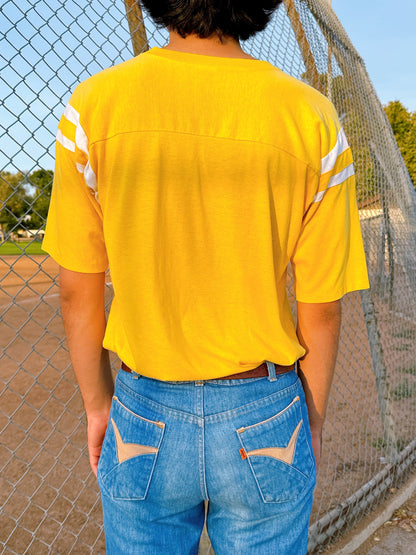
[272, 371]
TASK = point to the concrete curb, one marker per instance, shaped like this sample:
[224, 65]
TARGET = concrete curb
[398, 500]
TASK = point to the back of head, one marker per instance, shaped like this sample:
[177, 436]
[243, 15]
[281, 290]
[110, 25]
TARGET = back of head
[239, 19]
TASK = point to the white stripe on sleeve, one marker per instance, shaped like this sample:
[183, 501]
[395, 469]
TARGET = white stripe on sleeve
[328, 162]
[64, 141]
[81, 139]
[71, 114]
[336, 179]
[90, 177]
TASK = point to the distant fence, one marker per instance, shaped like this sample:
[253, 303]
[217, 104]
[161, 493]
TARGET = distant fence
[49, 498]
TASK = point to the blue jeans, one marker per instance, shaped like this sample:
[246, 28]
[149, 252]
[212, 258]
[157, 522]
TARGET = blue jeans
[244, 445]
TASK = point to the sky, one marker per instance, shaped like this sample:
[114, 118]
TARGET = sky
[48, 47]
[384, 34]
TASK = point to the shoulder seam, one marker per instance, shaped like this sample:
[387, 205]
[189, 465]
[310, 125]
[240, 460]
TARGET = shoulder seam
[315, 170]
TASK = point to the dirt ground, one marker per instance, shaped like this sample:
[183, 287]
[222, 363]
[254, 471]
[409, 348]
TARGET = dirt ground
[49, 499]
[23, 277]
[48, 496]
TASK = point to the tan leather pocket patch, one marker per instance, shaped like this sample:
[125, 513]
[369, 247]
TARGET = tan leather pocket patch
[126, 451]
[284, 454]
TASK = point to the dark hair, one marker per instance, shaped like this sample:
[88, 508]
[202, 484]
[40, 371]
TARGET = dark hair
[239, 19]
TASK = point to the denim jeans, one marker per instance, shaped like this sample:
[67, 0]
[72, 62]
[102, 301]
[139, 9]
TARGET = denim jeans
[244, 445]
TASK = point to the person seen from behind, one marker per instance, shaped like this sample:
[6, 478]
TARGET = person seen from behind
[197, 174]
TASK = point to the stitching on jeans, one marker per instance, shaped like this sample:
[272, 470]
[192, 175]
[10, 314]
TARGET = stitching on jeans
[221, 416]
[188, 417]
[278, 415]
[264, 401]
[157, 423]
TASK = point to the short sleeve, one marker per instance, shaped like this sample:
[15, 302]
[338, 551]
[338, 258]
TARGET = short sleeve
[329, 259]
[74, 230]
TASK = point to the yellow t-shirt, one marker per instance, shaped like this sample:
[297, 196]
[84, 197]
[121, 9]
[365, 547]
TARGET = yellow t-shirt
[197, 179]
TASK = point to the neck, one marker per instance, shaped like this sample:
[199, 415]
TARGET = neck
[211, 46]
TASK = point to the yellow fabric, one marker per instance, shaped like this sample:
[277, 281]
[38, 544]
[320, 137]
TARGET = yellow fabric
[198, 179]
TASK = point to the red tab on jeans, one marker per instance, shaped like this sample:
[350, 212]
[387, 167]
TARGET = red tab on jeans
[243, 453]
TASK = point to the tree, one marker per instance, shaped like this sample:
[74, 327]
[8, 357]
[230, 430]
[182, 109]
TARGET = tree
[410, 154]
[354, 121]
[42, 181]
[14, 201]
[18, 208]
[403, 124]
[399, 118]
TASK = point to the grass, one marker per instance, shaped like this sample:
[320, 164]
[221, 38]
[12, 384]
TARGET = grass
[381, 444]
[404, 347]
[407, 370]
[404, 390]
[25, 247]
[406, 334]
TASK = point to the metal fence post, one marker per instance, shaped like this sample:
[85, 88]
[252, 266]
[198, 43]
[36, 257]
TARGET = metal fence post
[380, 372]
[136, 26]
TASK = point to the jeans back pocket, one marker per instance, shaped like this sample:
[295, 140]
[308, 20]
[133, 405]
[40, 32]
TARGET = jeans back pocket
[128, 457]
[278, 452]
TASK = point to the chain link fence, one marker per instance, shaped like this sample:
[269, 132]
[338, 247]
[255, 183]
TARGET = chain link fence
[49, 498]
